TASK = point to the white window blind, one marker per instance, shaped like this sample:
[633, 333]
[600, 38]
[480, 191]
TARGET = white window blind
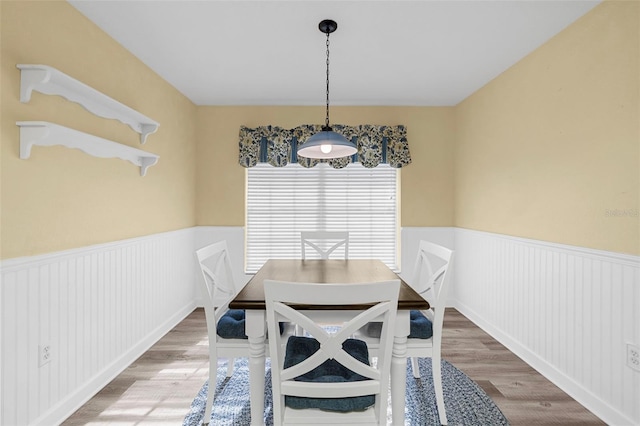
[283, 201]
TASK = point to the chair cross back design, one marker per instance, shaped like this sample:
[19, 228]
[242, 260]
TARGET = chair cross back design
[431, 279]
[426, 279]
[217, 290]
[313, 239]
[432, 283]
[330, 344]
[217, 274]
[287, 301]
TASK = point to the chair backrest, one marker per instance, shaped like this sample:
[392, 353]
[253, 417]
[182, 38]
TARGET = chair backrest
[217, 284]
[286, 302]
[324, 242]
[431, 278]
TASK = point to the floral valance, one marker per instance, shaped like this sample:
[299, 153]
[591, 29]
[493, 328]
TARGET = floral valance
[278, 146]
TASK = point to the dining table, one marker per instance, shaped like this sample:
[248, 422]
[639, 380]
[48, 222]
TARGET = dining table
[332, 271]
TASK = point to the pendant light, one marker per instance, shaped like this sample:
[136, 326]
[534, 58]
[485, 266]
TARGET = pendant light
[327, 143]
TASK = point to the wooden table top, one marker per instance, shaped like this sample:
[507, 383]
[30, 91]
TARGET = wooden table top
[323, 271]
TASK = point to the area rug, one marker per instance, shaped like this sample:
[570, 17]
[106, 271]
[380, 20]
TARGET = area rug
[466, 403]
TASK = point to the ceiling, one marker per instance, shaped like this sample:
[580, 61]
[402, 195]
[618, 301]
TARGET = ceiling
[420, 52]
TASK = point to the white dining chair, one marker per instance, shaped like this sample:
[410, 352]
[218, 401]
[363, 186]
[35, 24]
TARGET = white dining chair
[225, 328]
[431, 279]
[325, 377]
[324, 243]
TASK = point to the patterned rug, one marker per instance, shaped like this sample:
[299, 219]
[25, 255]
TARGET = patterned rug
[465, 401]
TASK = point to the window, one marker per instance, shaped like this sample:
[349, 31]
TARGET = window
[282, 201]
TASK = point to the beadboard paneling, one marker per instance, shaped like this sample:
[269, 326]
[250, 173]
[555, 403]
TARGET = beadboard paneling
[567, 311]
[98, 308]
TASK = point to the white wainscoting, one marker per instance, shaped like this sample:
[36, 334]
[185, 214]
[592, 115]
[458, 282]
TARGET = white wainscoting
[98, 308]
[567, 311]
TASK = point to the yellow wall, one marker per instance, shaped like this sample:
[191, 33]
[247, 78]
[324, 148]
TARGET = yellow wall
[550, 149]
[426, 184]
[62, 198]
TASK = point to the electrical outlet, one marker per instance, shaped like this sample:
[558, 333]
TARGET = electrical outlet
[633, 356]
[44, 353]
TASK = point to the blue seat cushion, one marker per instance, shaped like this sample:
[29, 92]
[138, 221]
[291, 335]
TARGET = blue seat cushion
[231, 325]
[300, 348]
[420, 326]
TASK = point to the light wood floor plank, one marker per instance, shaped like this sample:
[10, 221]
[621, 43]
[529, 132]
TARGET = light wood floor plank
[158, 388]
[524, 396]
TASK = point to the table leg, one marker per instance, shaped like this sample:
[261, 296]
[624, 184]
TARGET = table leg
[399, 367]
[255, 329]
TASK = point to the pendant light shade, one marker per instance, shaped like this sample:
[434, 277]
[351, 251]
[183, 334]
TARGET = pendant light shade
[327, 143]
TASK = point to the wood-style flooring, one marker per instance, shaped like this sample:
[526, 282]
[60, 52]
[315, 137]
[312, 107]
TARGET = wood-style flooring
[158, 388]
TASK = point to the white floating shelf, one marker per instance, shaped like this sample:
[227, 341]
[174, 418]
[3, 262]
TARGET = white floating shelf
[42, 133]
[50, 81]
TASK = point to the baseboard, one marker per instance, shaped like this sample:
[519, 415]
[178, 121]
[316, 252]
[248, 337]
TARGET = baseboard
[546, 302]
[80, 396]
[495, 275]
[605, 412]
[97, 307]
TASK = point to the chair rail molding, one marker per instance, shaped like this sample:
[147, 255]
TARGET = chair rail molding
[567, 311]
[50, 81]
[43, 133]
[99, 307]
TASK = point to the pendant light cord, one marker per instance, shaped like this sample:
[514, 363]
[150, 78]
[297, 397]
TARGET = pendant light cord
[326, 123]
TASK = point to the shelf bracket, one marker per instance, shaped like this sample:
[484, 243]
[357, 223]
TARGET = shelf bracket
[50, 81]
[43, 133]
[31, 79]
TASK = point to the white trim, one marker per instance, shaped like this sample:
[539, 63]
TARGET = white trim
[43, 133]
[7, 265]
[628, 259]
[50, 81]
[99, 307]
[65, 408]
[555, 306]
[588, 399]
[474, 275]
